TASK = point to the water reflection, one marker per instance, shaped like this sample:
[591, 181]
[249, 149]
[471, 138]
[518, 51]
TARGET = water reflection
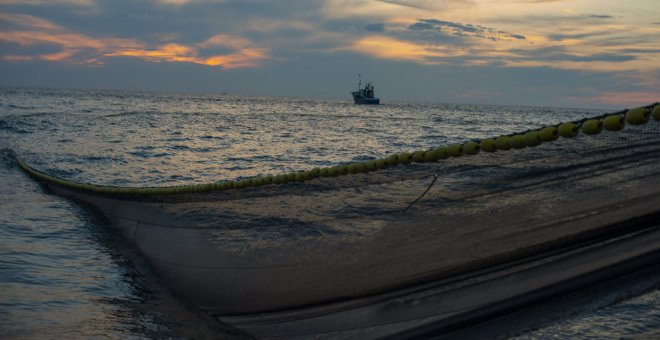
[65, 274]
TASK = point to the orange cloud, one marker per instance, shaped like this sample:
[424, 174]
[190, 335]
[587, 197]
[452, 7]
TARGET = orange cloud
[389, 48]
[168, 52]
[430, 54]
[579, 39]
[73, 47]
[80, 48]
[244, 55]
[244, 58]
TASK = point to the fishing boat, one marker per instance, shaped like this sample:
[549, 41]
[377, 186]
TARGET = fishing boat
[432, 241]
[365, 95]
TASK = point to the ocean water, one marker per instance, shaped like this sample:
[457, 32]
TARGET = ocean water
[64, 272]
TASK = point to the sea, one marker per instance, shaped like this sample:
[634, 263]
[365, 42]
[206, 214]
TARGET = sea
[64, 271]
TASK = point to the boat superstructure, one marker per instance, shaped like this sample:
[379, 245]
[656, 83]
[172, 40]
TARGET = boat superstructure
[365, 95]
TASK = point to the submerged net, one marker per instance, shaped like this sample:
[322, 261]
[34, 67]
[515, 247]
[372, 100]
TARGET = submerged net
[274, 242]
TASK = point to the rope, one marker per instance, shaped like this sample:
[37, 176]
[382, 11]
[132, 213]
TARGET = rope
[435, 178]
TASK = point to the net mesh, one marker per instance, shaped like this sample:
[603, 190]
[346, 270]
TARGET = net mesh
[271, 246]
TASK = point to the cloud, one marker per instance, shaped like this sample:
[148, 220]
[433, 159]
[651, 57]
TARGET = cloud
[560, 54]
[421, 26]
[640, 50]
[540, 1]
[590, 39]
[591, 46]
[430, 53]
[243, 54]
[375, 28]
[412, 4]
[182, 2]
[574, 36]
[461, 29]
[49, 2]
[167, 52]
[31, 31]
[471, 45]
[174, 2]
[71, 46]
[388, 9]
[230, 41]
[389, 48]
[427, 4]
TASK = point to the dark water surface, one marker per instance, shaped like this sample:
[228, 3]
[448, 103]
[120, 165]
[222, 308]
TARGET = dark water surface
[64, 272]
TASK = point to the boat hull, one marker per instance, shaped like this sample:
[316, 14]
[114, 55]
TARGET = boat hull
[366, 101]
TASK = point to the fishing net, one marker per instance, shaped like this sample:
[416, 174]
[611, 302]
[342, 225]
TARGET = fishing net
[334, 234]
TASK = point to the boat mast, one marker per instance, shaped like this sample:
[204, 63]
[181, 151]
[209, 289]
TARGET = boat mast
[359, 81]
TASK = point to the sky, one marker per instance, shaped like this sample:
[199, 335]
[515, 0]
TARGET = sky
[581, 53]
